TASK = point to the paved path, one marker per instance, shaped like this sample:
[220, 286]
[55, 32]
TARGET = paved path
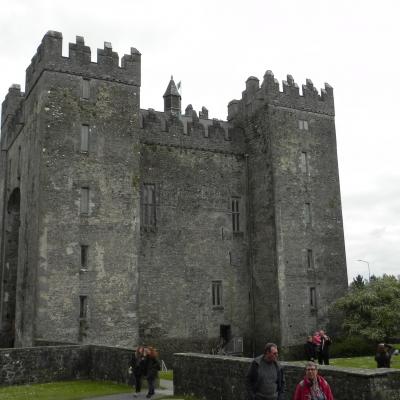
[168, 390]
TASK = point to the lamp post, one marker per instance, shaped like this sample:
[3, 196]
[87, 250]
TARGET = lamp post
[369, 271]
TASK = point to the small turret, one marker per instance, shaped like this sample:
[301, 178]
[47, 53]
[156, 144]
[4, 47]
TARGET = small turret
[172, 99]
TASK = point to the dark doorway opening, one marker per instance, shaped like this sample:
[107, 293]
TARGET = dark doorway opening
[225, 333]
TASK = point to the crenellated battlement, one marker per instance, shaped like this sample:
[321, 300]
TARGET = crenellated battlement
[255, 96]
[11, 103]
[49, 57]
[189, 131]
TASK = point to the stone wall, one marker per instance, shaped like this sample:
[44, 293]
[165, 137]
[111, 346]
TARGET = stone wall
[44, 364]
[57, 363]
[192, 245]
[220, 378]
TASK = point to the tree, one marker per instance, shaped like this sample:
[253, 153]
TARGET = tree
[372, 310]
[358, 282]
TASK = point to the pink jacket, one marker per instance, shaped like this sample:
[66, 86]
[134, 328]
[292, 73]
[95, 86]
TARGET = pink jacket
[303, 389]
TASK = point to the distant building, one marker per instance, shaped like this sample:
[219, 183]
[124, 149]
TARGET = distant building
[122, 226]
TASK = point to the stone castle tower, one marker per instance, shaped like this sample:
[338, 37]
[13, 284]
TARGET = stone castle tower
[122, 226]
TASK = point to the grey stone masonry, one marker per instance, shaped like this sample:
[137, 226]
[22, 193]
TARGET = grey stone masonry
[223, 378]
[125, 226]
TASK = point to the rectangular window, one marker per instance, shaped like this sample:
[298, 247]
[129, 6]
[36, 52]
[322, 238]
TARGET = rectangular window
[149, 205]
[82, 306]
[235, 214]
[19, 164]
[307, 213]
[84, 200]
[304, 162]
[85, 88]
[9, 171]
[313, 298]
[310, 259]
[303, 125]
[84, 256]
[217, 293]
[85, 138]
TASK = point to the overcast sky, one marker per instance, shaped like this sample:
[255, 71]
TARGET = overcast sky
[213, 46]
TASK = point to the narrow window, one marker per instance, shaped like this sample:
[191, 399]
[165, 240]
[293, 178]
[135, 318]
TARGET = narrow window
[85, 88]
[313, 298]
[84, 200]
[304, 162]
[235, 215]
[307, 213]
[9, 171]
[82, 306]
[85, 138]
[149, 205]
[217, 293]
[310, 259]
[84, 256]
[303, 125]
[19, 164]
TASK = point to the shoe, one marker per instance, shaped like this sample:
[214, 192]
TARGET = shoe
[148, 396]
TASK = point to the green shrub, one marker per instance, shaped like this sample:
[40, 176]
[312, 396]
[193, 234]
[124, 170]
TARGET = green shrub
[352, 346]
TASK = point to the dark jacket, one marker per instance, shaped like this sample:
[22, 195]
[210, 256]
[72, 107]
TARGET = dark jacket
[252, 379]
[383, 358]
[310, 351]
[138, 365]
[325, 343]
[152, 367]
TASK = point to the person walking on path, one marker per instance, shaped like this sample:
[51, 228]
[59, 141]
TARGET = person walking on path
[152, 368]
[313, 386]
[323, 355]
[265, 379]
[137, 367]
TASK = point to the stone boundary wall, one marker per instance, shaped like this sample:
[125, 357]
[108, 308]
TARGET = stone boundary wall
[43, 364]
[218, 378]
[56, 363]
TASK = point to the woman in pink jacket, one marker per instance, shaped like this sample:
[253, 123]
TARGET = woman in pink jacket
[313, 386]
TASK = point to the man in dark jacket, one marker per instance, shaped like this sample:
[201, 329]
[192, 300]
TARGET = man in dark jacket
[383, 355]
[264, 379]
[323, 355]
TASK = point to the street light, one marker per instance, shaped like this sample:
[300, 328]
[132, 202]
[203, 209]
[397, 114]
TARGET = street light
[369, 271]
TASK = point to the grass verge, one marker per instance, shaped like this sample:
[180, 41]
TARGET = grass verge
[167, 375]
[66, 390]
[365, 362]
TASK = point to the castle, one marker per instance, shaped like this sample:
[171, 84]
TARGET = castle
[122, 226]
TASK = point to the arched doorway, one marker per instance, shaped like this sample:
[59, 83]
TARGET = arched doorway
[9, 270]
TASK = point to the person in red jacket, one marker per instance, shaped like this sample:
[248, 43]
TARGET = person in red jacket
[313, 386]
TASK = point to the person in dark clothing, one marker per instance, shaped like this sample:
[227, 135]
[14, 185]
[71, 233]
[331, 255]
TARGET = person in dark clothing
[152, 368]
[137, 369]
[310, 349]
[265, 379]
[383, 355]
[323, 355]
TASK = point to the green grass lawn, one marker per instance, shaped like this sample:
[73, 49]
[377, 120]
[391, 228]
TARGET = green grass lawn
[364, 362]
[68, 390]
[179, 397]
[167, 375]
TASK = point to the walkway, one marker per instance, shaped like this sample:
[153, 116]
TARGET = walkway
[168, 390]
